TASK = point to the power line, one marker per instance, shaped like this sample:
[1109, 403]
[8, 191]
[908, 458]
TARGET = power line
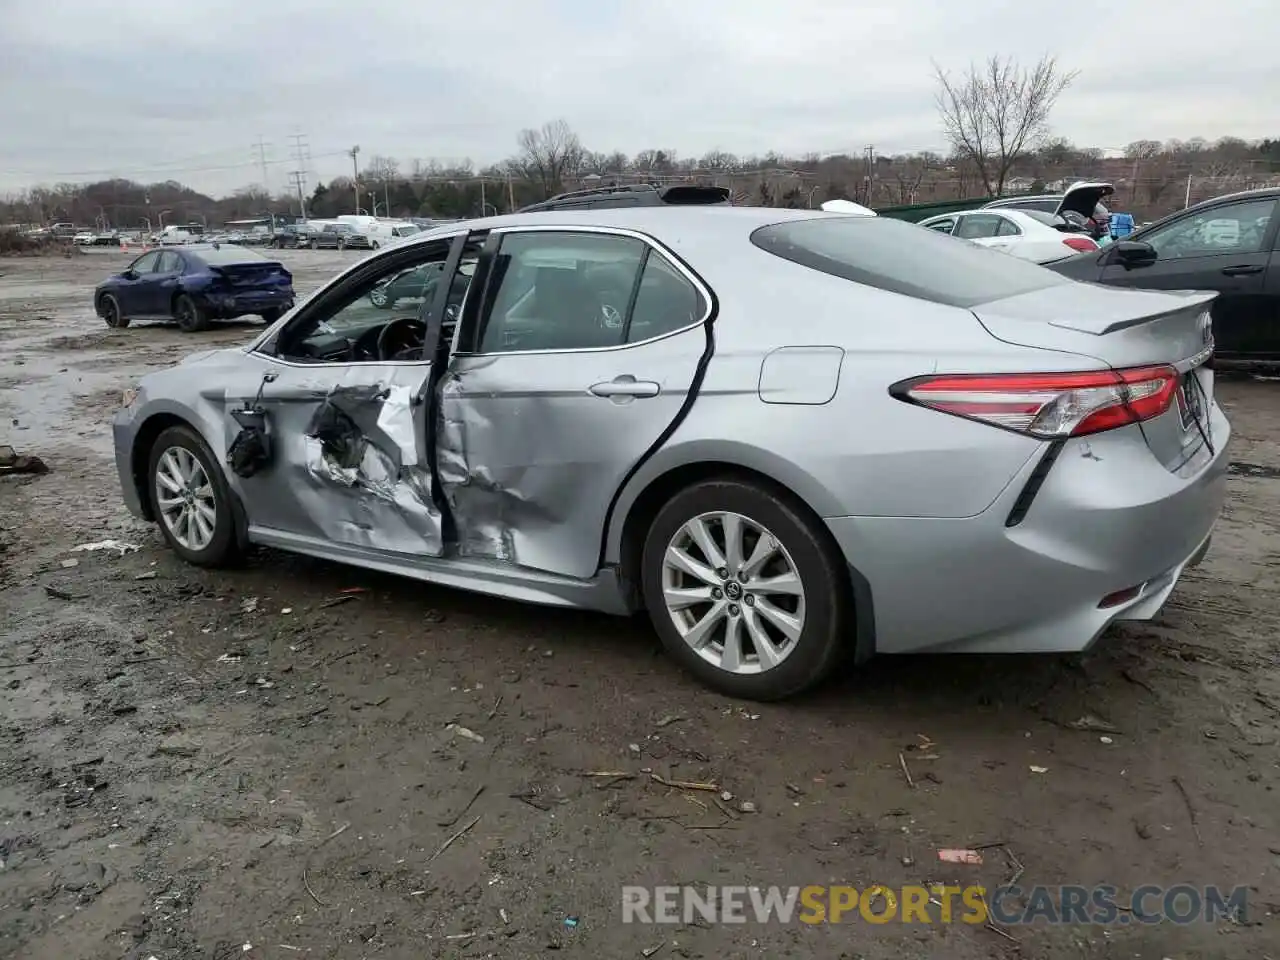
[301, 153]
[262, 159]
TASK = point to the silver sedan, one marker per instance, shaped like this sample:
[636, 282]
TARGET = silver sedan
[787, 435]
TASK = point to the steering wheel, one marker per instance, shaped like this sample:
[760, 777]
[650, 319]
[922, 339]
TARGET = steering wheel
[400, 338]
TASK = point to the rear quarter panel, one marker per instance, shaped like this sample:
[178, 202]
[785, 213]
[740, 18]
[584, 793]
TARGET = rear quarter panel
[862, 453]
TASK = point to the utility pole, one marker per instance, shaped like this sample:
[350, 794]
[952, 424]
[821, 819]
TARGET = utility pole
[355, 176]
[301, 153]
[262, 160]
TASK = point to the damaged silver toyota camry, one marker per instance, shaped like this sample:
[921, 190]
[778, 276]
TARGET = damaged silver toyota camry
[787, 435]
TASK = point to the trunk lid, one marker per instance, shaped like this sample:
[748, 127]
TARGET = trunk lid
[1126, 328]
[1083, 198]
[257, 274]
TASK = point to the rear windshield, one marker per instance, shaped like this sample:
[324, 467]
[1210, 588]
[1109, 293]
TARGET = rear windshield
[225, 256]
[904, 258]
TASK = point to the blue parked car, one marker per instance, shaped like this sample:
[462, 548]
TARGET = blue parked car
[193, 285]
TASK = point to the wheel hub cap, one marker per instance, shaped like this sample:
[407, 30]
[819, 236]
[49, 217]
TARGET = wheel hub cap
[185, 498]
[733, 592]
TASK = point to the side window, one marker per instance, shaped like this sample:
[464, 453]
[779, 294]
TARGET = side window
[1234, 229]
[942, 226]
[170, 262]
[559, 290]
[1008, 228]
[978, 226]
[146, 263]
[666, 301]
[375, 319]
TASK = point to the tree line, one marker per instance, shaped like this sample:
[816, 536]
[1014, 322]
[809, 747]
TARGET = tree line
[994, 117]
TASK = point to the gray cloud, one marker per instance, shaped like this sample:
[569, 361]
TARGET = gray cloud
[151, 91]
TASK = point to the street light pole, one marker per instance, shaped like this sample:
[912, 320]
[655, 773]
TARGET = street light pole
[355, 175]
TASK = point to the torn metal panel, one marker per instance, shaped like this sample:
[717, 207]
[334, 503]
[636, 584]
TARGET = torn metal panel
[348, 459]
[530, 456]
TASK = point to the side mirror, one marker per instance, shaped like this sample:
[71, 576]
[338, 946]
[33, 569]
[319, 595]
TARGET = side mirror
[1134, 253]
[128, 274]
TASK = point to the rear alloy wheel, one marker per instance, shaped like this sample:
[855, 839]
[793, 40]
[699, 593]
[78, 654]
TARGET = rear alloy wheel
[109, 308]
[191, 319]
[191, 499]
[378, 297]
[745, 590]
[271, 316]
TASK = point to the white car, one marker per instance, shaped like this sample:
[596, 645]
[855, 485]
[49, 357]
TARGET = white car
[1025, 234]
[849, 207]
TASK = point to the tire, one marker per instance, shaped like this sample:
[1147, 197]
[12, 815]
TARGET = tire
[312, 245]
[109, 309]
[823, 608]
[214, 545]
[190, 318]
[374, 245]
[271, 316]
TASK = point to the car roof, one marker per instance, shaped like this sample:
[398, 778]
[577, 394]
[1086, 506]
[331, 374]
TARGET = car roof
[249, 256]
[661, 222]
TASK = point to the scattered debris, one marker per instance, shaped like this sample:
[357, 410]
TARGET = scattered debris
[570, 921]
[229, 658]
[341, 598]
[10, 462]
[970, 857]
[651, 951]
[1106, 740]
[1092, 724]
[68, 564]
[148, 575]
[746, 806]
[433, 616]
[684, 784]
[1191, 810]
[1035, 769]
[458, 816]
[902, 761]
[453, 839]
[286, 611]
[59, 594]
[119, 546]
[248, 604]
[464, 733]
[669, 719]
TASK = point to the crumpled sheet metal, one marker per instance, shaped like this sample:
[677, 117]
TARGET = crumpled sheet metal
[367, 482]
[481, 520]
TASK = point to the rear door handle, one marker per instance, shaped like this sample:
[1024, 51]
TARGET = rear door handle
[625, 386]
[1242, 270]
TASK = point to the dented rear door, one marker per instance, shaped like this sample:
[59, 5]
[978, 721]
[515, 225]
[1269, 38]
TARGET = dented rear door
[581, 356]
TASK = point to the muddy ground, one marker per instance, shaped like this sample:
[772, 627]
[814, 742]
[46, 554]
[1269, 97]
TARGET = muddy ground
[215, 764]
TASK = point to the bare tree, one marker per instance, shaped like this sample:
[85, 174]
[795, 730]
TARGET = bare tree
[549, 154]
[1142, 149]
[996, 113]
[382, 168]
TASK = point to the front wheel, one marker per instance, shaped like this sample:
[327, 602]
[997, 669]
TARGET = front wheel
[271, 316]
[191, 499]
[190, 318]
[109, 308]
[745, 590]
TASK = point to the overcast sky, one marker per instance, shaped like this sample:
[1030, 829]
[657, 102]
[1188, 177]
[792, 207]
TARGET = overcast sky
[154, 90]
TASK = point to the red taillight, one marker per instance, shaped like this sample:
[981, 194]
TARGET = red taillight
[1082, 244]
[1048, 405]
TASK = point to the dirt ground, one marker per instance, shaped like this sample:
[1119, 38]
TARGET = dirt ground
[254, 763]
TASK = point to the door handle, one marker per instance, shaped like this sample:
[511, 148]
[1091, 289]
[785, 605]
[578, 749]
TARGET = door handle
[625, 386]
[1241, 270]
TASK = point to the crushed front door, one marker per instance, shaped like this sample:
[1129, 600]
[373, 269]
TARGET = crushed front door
[330, 453]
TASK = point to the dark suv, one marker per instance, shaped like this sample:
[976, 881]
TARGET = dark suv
[634, 195]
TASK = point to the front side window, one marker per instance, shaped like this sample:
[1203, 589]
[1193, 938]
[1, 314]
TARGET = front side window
[170, 262]
[1235, 228]
[563, 290]
[146, 263]
[378, 318]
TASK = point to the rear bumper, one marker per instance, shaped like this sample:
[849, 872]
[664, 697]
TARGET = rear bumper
[238, 304]
[1107, 518]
